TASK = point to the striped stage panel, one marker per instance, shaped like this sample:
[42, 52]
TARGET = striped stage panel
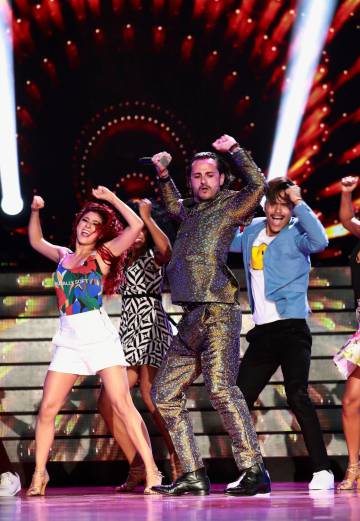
[28, 320]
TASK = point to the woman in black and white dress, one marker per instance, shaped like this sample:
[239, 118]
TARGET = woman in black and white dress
[145, 334]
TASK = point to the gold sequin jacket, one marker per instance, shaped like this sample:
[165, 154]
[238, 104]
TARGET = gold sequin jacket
[197, 271]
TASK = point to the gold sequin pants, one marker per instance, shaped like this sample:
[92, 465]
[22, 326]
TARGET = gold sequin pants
[208, 342]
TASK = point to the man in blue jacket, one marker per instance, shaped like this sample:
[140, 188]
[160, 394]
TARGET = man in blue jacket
[276, 251]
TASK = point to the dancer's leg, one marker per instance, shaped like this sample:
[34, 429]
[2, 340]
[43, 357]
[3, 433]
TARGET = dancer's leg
[114, 423]
[147, 375]
[117, 388]
[56, 388]
[220, 362]
[351, 416]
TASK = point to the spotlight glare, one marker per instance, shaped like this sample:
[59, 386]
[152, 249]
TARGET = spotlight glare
[308, 37]
[11, 202]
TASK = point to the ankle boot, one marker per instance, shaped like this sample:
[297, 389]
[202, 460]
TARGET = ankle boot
[254, 480]
[195, 483]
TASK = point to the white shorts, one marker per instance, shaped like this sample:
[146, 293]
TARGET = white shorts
[86, 343]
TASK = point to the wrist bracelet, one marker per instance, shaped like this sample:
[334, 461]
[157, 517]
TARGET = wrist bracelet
[234, 148]
[164, 179]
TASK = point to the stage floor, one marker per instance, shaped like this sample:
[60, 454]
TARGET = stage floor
[287, 502]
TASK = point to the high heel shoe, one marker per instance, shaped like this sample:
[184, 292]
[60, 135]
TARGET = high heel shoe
[175, 466]
[152, 480]
[39, 482]
[136, 476]
[352, 477]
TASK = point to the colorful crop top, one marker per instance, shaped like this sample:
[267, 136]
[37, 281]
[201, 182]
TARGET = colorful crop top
[78, 289]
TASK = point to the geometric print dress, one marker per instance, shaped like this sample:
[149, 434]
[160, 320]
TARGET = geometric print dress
[145, 331]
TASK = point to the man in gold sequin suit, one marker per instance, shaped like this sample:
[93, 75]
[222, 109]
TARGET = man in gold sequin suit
[208, 334]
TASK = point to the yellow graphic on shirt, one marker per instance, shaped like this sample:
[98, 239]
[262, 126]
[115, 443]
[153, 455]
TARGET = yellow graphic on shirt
[257, 256]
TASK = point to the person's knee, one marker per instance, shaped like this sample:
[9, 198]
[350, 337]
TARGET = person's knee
[145, 391]
[246, 388]
[103, 401]
[298, 399]
[351, 403]
[121, 408]
[48, 410]
[249, 397]
[221, 396]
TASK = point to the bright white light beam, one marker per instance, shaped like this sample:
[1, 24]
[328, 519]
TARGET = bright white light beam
[309, 33]
[11, 202]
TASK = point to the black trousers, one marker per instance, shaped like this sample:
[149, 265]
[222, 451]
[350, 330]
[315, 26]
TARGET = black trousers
[285, 343]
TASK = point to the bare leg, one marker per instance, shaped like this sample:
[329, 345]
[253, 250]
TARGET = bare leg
[56, 388]
[351, 416]
[117, 388]
[114, 423]
[147, 375]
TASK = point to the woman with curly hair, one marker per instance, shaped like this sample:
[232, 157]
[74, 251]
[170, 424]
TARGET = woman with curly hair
[87, 342]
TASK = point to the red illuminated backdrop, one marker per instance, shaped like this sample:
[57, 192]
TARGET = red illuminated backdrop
[101, 83]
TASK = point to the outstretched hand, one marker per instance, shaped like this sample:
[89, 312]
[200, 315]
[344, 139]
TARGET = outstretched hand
[101, 192]
[349, 183]
[224, 143]
[161, 161]
[37, 203]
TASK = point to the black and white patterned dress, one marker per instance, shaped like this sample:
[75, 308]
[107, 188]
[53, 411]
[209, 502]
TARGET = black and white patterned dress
[145, 331]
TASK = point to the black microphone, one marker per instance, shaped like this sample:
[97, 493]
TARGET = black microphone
[148, 161]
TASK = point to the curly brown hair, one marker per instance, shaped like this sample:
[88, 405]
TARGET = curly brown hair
[110, 228]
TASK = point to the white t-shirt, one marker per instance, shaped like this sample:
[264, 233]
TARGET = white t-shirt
[264, 310]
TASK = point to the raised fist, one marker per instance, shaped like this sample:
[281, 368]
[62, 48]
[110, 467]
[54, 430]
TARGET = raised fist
[37, 203]
[101, 192]
[161, 161]
[349, 183]
[145, 209]
[294, 193]
[224, 143]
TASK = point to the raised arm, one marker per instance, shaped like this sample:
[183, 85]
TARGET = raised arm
[161, 240]
[123, 241]
[169, 192]
[242, 204]
[314, 239]
[37, 241]
[346, 213]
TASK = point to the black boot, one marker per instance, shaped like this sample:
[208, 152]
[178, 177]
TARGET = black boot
[194, 483]
[254, 480]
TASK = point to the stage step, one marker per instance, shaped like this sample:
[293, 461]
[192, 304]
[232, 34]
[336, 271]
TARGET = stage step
[84, 398]
[69, 449]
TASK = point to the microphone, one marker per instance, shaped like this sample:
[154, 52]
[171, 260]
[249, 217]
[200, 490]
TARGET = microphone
[148, 161]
